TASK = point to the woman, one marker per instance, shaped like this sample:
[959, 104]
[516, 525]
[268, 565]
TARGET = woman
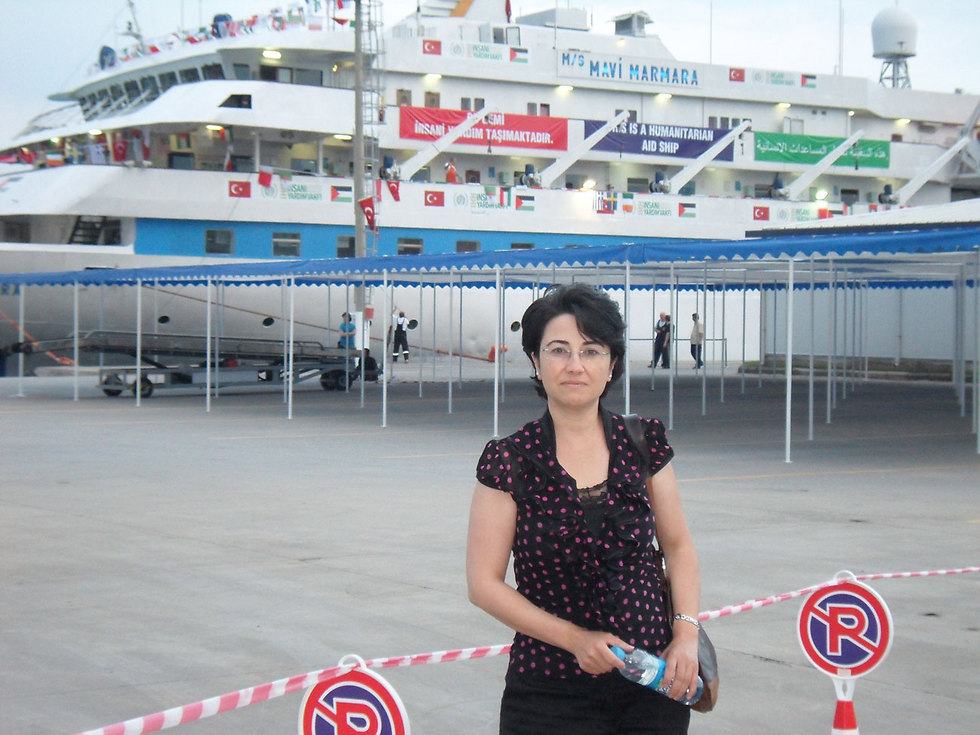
[566, 494]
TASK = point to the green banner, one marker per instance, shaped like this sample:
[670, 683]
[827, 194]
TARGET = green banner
[808, 149]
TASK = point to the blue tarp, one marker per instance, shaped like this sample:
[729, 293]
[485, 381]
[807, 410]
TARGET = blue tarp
[875, 243]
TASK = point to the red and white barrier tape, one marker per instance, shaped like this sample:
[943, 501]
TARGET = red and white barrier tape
[271, 690]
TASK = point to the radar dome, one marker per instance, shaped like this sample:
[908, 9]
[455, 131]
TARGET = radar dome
[893, 34]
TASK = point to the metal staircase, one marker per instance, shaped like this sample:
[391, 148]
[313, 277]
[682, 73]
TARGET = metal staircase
[87, 230]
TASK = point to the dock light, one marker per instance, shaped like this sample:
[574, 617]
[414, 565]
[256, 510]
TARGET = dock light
[902, 121]
[588, 184]
[343, 136]
[214, 127]
[783, 105]
[850, 113]
[664, 96]
[95, 133]
[821, 194]
[271, 53]
[565, 87]
[433, 77]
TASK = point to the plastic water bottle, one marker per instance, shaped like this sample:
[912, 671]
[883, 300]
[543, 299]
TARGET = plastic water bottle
[647, 670]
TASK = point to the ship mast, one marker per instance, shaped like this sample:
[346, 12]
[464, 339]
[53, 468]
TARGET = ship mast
[133, 27]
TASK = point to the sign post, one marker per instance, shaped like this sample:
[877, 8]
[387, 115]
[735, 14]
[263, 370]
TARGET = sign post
[846, 631]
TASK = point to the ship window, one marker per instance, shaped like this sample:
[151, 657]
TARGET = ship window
[498, 35]
[112, 232]
[190, 75]
[532, 108]
[479, 103]
[725, 122]
[167, 80]
[735, 122]
[712, 121]
[404, 97]
[150, 88]
[345, 246]
[522, 246]
[116, 91]
[850, 196]
[16, 231]
[465, 104]
[409, 246]
[472, 176]
[688, 190]
[132, 90]
[432, 100]
[213, 71]
[219, 242]
[632, 117]
[241, 101]
[467, 246]
[241, 71]
[285, 244]
[513, 35]
[276, 74]
[309, 77]
[637, 184]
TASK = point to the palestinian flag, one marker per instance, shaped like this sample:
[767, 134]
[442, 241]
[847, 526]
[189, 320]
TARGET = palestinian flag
[686, 209]
[341, 194]
[518, 55]
[524, 203]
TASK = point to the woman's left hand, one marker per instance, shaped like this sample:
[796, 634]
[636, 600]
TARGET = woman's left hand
[682, 664]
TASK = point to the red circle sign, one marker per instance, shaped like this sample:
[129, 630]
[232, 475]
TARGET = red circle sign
[845, 629]
[356, 703]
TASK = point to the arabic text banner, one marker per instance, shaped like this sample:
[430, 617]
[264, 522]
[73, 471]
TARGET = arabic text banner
[808, 149]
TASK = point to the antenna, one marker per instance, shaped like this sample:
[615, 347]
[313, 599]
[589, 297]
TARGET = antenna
[893, 33]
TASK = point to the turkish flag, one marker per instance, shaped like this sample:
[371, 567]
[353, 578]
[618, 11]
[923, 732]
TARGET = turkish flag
[760, 213]
[367, 205]
[393, 188]
[265, 176]
[736, 75]
[432, 47]
[240, 189]
[435, 199]
[119, 148]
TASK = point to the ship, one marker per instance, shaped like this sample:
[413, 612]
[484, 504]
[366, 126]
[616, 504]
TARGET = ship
[311, 132]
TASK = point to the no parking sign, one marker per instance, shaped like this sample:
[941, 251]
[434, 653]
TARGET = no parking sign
[356, 703]
[846, 631]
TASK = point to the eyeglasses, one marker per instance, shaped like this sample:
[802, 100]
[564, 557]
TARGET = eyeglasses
[560, 353]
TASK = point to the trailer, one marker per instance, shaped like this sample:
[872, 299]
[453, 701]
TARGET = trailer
[184, 361]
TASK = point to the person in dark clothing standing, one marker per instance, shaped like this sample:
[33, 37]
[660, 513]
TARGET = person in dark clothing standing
[661, 344]
[400, 347]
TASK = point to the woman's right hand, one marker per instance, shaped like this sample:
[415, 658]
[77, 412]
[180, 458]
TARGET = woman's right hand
[591, 650]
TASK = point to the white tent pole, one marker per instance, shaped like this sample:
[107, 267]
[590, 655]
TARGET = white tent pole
[673, 350]
[139, 342]
[207, 350]
[762, 329]
[22, 302]
[844, 350]
[285, 334]
[653, 342]
[435, 354]
[498, 358]
[745, 284]
[74, 347]
[959, 334]
[626, 357]
[459, 332]
[790, 285]
[810, 387]
[704, 311]
[724, 339]
[385, 326]
[831, 339]
[501, 350]
[449, 364]
[291, 372]
[418, 357]
[976, 351]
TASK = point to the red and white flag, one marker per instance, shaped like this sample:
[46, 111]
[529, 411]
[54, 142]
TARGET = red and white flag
[435, 199]
[393, 188]
[760, 213]
[227, 164]
[735, 74]
[265, 176]
[240, 189]
[367, 206]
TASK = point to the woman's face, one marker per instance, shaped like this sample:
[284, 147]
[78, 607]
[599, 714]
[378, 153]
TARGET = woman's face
[573, 368]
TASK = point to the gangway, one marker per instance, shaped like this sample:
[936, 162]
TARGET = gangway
[238, 361]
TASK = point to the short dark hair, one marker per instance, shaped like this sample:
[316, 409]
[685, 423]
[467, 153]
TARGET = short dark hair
[596, 315]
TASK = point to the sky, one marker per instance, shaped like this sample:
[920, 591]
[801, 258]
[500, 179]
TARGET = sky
[54, 49]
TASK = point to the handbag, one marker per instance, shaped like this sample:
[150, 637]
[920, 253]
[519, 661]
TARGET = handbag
[707, 658]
